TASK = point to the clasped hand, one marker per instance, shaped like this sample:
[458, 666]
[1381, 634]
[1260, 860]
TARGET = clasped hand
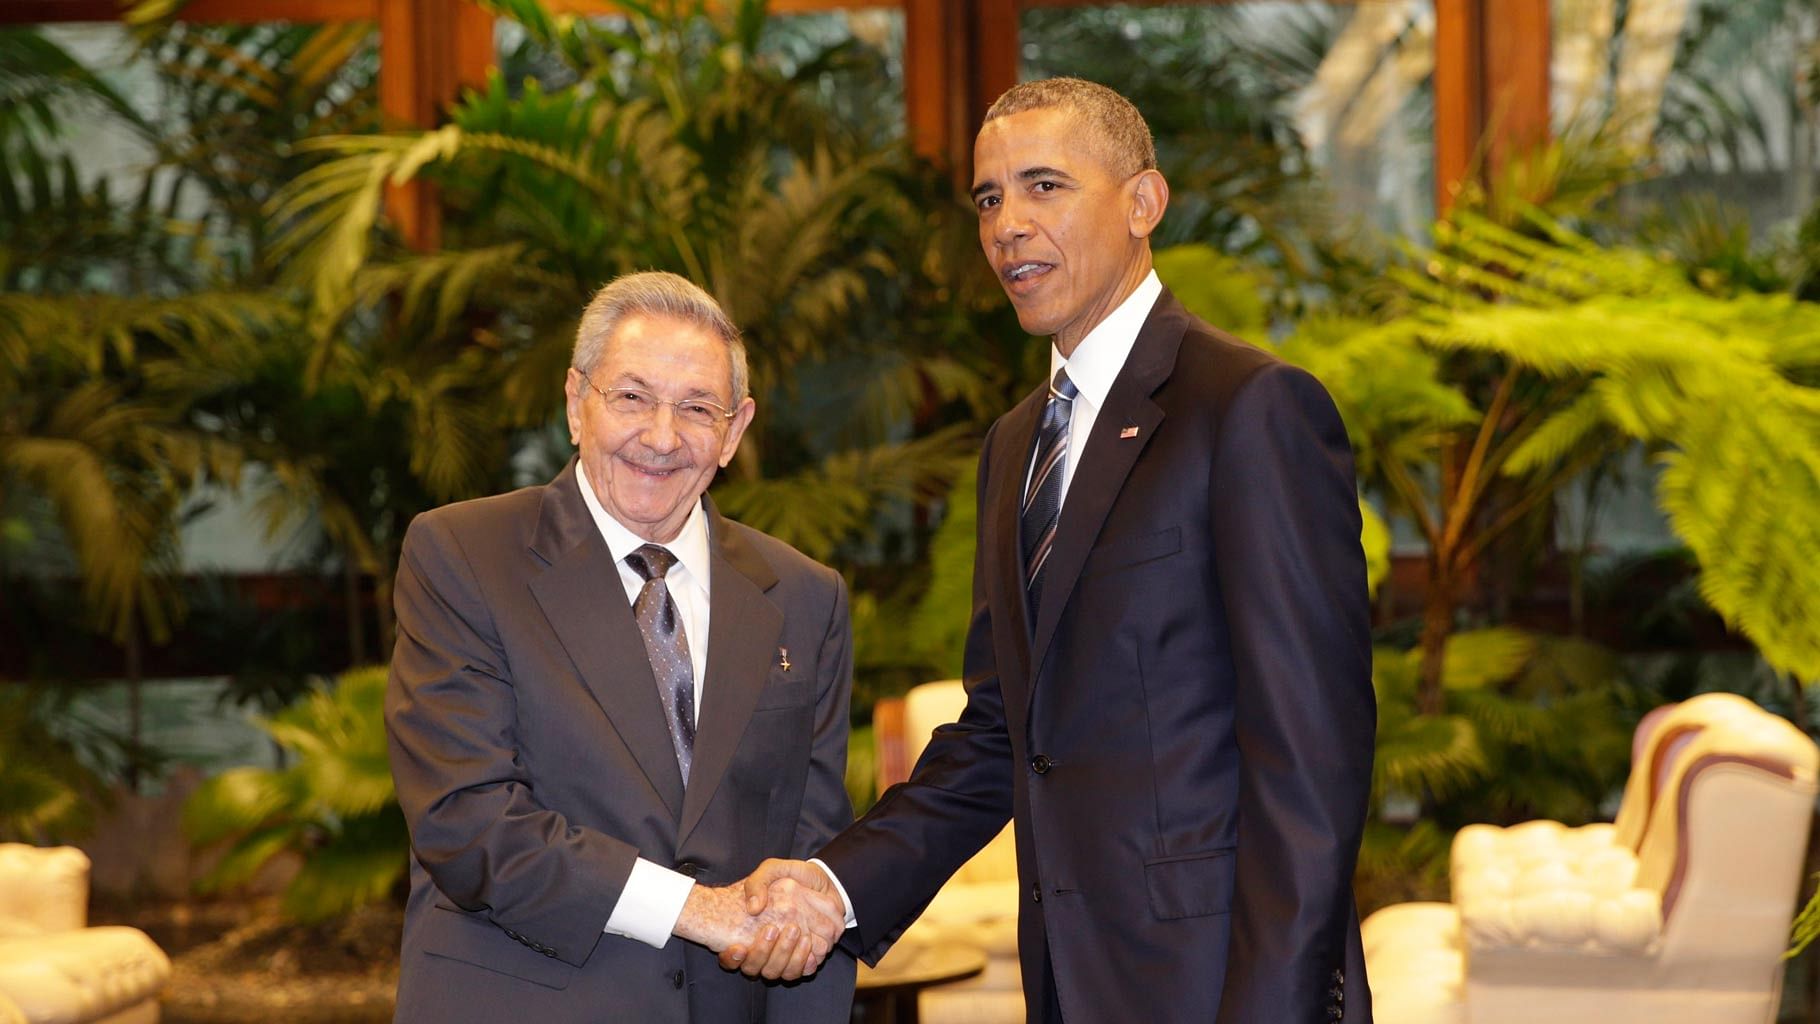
[779, 923]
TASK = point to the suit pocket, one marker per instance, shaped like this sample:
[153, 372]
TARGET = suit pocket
[459, 935]
[786, 693]
[1129, 551]
[1192, 885]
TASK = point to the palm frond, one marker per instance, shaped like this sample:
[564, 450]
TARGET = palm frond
[828, 504]
[1427, 754]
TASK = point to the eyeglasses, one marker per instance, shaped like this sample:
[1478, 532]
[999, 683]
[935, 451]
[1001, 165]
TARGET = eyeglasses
[636, 405]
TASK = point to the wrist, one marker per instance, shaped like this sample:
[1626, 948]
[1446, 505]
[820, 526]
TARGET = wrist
[706, 914]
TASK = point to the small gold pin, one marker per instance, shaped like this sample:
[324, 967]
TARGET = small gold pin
[783, 658]
[1128, 433]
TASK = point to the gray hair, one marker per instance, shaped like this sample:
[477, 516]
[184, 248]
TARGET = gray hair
[1109, 119]
[657, 294]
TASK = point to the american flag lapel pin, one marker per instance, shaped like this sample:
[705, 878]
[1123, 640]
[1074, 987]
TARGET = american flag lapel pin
[1128, 433]
[783, 658]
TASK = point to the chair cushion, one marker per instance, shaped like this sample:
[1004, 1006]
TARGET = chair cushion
[982, 914]
[76, 976]
[1415, 963]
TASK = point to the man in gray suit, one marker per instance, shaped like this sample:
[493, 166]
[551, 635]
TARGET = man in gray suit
[608, 703]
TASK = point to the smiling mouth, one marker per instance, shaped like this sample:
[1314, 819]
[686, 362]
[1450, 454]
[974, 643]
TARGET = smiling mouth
[658, 473]
[1025, 272]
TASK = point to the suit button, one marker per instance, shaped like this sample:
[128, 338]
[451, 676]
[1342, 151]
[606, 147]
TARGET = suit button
[1036, 893]
[676, 979]
[1041, 764]
[688, 867]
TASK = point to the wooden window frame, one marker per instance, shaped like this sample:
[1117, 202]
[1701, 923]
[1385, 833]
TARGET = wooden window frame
[1491, 102]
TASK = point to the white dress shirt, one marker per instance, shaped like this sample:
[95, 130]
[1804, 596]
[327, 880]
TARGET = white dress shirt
[1093, 367]
[653, 897]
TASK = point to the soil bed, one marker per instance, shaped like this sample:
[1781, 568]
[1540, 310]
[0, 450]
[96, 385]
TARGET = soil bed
[235, 962]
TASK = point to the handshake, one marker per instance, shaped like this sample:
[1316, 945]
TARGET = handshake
[780, 922]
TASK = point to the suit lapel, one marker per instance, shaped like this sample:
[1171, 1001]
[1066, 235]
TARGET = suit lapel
[1111, 450]
[580, 596]
[742, 646]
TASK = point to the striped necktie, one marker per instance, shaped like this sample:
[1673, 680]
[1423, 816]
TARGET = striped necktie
[668, 647]
[1043, 498]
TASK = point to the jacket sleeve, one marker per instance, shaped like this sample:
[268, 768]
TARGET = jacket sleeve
[957, 798]
[475, 821]
[1286, 542]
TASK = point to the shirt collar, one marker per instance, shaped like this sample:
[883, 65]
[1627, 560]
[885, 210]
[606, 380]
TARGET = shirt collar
[690, 546]
[1100, 356]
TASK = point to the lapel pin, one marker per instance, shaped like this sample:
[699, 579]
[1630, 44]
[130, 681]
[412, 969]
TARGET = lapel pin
[783, 658]
[1128, 433]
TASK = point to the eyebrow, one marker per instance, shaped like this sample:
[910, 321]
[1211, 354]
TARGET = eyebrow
[1027, 174]
[633, 380]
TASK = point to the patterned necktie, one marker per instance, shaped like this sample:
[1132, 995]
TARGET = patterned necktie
[668, 648]
[1043, 498]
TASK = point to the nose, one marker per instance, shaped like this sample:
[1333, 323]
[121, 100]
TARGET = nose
[1009, 222]
[660, 433]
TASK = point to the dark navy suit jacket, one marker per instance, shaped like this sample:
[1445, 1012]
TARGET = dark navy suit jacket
[1183, 736]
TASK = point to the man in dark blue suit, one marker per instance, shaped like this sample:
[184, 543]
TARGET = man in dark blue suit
[1168, 667]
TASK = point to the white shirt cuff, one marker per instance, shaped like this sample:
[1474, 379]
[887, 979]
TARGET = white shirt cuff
[650, 903]
[846, 904]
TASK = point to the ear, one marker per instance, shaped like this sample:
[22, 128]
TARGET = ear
[736, 429]
[1149, 197]
[574, 393]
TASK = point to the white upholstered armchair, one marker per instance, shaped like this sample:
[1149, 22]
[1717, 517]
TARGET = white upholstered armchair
[1686, 928]
[54, 969]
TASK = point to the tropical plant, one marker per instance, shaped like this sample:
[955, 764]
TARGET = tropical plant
[677, 143]
[91, 410]
[237, 100]
[1536, 727]
[333, 806]
[357, 444]
[1523, 360]
[48, 793]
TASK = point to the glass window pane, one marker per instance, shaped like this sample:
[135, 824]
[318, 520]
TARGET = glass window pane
[1720, 94]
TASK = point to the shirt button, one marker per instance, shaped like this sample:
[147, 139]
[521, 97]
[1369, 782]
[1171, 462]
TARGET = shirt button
[1041, 764]
[676, 979]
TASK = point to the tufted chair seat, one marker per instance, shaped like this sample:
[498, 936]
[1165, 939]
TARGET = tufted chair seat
[1687, 930]
[54, 969]
[1492, 862]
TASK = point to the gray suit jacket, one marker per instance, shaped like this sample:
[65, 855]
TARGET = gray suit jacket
[533, 764]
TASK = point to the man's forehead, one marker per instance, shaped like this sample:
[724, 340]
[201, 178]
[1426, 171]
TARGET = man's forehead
[1048, 138]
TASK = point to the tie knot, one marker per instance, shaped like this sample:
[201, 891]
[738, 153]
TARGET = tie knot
[651, 561]
[1063, 388]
